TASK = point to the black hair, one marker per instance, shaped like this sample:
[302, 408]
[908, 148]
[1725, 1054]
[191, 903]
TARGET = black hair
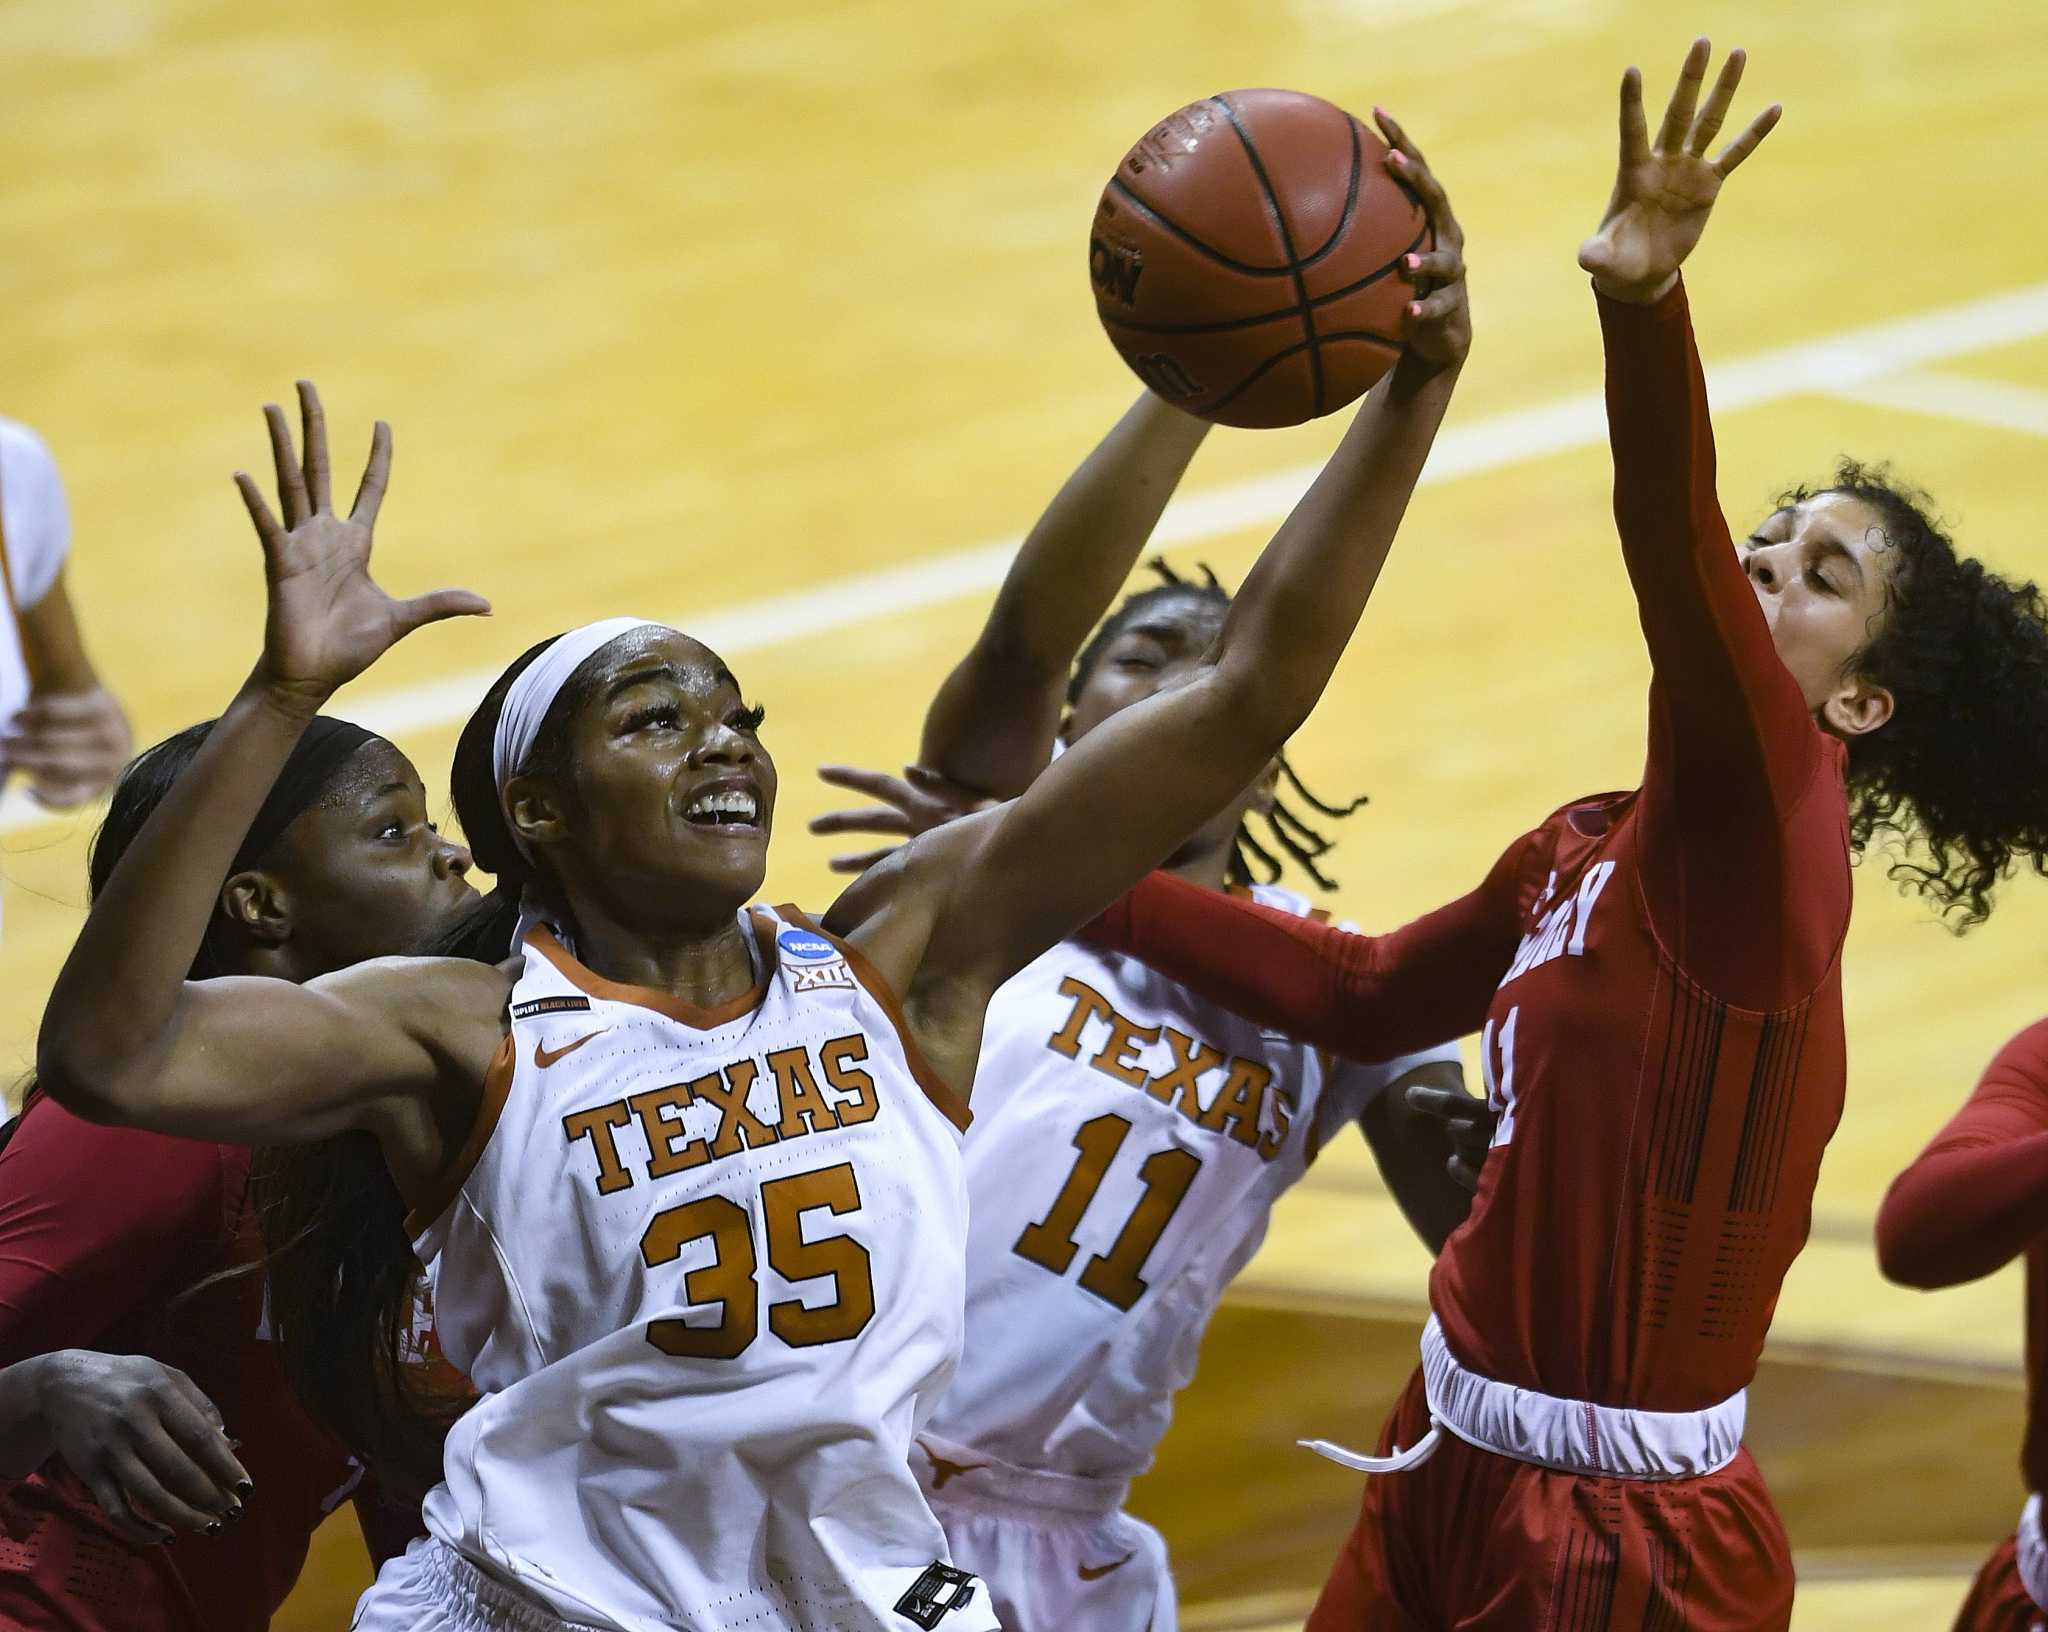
[142, 787]
[1286, 829]
[1957, 779]
[343, 1275]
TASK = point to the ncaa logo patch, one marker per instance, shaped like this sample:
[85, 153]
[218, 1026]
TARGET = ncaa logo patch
[807, 945]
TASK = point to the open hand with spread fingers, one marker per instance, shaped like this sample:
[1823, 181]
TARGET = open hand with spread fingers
[1664, 193]
[328, 620]
[916, 802]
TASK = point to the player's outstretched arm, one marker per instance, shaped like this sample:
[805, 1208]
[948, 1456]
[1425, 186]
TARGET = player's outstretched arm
[1732, 749]
[1009, 883]
[991, 725]
[1977, 1197]
[126, 1038]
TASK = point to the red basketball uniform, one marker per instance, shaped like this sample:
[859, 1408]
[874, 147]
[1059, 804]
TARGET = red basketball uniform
[1974, 1200]
[101, 1229]
[1656, 981]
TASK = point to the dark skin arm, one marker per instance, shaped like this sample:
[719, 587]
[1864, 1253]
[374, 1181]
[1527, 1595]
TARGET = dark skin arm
[398, 1046]
[72, 738]
[992, 724]
[949, 917]
[990, 728]
[1414, 1141]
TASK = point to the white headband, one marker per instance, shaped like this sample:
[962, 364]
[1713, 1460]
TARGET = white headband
[534, 692]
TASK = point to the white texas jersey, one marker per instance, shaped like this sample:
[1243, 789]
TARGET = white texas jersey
[1129, 1142]
[705, 1268]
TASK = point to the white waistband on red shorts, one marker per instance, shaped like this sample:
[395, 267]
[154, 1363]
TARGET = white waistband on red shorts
[950, 1472]
[2032, 1553]
[1572, 1436]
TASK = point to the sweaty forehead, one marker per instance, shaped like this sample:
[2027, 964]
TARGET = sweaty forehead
[1187, 615]
[656, 653]
[368, 774]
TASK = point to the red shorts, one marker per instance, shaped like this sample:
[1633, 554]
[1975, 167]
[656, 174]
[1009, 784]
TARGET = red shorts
[1471, 1540]
[1998, 1600]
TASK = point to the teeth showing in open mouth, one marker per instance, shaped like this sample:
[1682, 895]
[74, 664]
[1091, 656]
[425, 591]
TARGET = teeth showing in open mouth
[719, 809]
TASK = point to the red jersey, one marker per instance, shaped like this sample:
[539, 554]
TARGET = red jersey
[1655, 975]
[1977, 1198]
[100, 1230]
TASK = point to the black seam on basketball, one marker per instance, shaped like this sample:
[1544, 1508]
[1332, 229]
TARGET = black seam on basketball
[1210, 407]
[1350, 200]
[1279, 218]
[1214, 403]
[1226, 325]
[1117, 185]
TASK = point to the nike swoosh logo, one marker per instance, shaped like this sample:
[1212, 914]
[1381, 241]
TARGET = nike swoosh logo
[545, 1057]
[1095, 1572]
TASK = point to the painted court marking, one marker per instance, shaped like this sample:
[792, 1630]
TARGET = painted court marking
[1858, 363]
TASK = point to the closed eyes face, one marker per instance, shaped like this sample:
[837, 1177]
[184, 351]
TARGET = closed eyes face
[1821, 570]
[1162, 647]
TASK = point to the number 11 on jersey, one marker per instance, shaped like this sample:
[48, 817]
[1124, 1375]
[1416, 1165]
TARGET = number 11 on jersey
[1112, 1276]
[1500, 1082]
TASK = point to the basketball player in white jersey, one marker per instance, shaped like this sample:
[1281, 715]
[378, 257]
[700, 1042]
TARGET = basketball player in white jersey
[1130, 1138]
[63, 730]
[688, 1174]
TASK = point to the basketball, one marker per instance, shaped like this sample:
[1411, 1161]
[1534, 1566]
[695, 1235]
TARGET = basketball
[1245, 258]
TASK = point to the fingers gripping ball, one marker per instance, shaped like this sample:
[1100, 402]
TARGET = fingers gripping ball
[1245, 258]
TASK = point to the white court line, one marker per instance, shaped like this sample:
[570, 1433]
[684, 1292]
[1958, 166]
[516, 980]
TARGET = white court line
[1841, 364]
[1994, 403]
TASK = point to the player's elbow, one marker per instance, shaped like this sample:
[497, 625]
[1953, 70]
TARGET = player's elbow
[87, 1076]
[1257, 702]
[1908, 1251]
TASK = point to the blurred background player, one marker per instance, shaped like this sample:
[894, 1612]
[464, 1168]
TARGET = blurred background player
[125, 1509]
[1130, 1139]
[1658, 978]
[1973, 1201]
[63, 730]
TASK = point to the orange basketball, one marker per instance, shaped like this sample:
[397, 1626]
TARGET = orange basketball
[1245, 254]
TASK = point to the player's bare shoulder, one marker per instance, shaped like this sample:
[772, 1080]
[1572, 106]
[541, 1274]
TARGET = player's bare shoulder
[892, 910]
[453, 1008]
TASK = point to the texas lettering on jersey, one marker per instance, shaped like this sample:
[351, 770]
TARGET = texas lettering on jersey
[1244, 1102]
[845, 1099]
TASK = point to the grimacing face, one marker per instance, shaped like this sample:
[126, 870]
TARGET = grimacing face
[668, 821]
[1822, 570]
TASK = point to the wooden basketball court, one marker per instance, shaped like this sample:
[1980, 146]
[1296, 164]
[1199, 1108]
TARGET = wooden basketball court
[774, 322]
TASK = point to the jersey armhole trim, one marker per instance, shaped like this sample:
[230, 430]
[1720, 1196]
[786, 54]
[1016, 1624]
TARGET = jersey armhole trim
[935, 1087]
[490, 1107]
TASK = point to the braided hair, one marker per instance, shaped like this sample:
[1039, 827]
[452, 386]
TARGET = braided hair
[1286, 829]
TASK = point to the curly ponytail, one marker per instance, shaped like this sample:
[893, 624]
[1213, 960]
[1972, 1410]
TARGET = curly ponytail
[1957, 779]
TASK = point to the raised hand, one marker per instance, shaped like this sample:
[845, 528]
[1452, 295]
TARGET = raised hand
[328, 621]
[1437, 324]
[913, 803]
[1663, 194]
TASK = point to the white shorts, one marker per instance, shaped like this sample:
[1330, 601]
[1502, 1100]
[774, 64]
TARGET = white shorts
[430, 1587]
[1056, 1554]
